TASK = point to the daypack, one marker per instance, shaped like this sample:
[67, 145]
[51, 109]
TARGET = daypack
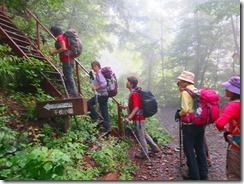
[149, 102]
[112, 84]
[74, 43]
[206, 105]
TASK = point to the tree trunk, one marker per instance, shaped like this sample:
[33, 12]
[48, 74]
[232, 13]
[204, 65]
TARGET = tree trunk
[162, 57]
[197, 62]
[237, 47]
[149, 79]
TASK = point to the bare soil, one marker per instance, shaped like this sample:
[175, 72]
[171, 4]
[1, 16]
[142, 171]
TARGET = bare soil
[166, 164]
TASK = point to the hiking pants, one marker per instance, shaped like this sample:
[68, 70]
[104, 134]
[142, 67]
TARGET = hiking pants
[233, 164]
[103, 103]
[143, 137]
[68, 67]
[193, 146]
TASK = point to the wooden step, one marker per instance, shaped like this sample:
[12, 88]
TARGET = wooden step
[20, 42]
[8, 27]
[15, 35]
[36, 56]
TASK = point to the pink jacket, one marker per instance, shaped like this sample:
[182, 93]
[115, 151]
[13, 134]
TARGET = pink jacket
[230, 118]
[230, 115]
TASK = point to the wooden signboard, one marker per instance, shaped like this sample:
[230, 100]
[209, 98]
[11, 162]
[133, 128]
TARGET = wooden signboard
[64, 107]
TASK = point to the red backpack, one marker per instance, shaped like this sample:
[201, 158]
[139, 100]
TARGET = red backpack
[206, 105]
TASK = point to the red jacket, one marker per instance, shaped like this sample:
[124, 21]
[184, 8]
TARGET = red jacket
[230, 117]
[64, 57]
[135, 101]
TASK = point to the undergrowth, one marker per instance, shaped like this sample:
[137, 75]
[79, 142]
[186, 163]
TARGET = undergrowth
[45, 152]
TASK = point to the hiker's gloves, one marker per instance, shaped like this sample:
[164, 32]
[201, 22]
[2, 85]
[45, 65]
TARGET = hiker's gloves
[177, 115]
[91, 75]
[225, 136]
[43, 39]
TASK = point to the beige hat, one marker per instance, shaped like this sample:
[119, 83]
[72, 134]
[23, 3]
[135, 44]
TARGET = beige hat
[187, 76]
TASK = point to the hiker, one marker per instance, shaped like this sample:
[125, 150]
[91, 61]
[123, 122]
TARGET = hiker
[67, 60]
[99, 85]
[209, 161]
[135, 113]
[193, 136]
[229, 123]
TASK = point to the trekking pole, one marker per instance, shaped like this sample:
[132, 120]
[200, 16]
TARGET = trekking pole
[139, 143]
[180, 142]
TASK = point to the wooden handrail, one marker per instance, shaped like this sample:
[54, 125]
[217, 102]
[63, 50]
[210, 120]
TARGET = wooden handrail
[38, 25]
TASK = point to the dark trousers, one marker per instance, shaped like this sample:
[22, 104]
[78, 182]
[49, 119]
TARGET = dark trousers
[193, 145]
[103, 104]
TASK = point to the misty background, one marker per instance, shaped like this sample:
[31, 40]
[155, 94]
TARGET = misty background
[154, 40]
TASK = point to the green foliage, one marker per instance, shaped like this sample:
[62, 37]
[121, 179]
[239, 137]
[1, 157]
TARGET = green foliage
[126, 172]
[8, 143]
[157, 132]
[40, 163]
[223, 9]
[18, 74]
[86, 129]
[21, 5]
[79, 173]
[110, 156]
[159, 54]
[47, 130]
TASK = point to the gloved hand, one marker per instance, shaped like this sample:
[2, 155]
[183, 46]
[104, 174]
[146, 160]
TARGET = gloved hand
[225, 136]
[43, 39]
[177, 115]
[91, 75]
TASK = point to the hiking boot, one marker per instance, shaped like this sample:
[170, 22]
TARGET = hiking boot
[203, 178]
[98, 120]
[151, 154]
[75, 95]
[154, 151]
[100, 123]
[105, 134]
[186, 177]
[141, 156]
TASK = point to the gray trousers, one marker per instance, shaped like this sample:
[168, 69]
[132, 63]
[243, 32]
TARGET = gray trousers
[68, 67]
[143, 137]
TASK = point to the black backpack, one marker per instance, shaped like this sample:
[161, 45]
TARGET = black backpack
[74, 43]
[149, 102]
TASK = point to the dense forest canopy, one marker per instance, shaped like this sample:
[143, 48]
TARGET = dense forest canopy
[153, 39]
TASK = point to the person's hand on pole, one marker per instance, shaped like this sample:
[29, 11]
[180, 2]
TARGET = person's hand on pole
[91, 75]
[44, 40]
[225, 134]
[122, 106]
[126, 120]
[177, 115]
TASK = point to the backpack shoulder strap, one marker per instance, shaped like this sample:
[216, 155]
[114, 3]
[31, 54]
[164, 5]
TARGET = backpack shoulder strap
[190, 92]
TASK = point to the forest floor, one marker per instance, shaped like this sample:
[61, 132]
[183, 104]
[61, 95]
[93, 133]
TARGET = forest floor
[166, 164]
[163, 166]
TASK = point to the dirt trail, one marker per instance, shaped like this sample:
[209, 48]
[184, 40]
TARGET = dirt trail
[165, 166]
